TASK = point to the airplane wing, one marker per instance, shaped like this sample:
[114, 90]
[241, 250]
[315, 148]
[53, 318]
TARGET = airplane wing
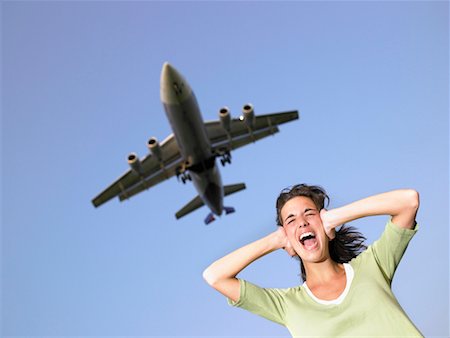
[152, 172]
[240, 134]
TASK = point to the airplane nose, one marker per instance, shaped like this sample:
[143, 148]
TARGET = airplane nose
[167, 71]
[174, 87]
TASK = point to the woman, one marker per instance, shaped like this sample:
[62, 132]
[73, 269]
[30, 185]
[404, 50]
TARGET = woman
[337, 298]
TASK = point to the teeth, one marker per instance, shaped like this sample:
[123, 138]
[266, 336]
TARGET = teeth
[306, 234]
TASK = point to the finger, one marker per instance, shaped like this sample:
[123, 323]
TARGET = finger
[331, 234]
[290, 251]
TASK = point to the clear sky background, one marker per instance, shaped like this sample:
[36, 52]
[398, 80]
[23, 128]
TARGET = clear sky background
[80, 90]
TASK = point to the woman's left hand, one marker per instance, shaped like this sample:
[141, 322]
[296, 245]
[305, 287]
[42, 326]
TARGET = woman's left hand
[327, 224]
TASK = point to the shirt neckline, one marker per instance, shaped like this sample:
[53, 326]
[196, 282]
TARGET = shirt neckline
[349, 273]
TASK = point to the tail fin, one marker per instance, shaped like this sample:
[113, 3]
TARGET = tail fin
[210, 218]
[229, 210]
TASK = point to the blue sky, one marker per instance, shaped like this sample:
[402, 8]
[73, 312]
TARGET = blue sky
[80, 90]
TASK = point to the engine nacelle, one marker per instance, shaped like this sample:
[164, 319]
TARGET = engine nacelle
[249, 115]
[135, 162]
[155, 149]
[225, 119]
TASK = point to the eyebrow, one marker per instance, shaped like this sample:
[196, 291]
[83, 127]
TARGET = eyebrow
[291, 215]
[304, 212]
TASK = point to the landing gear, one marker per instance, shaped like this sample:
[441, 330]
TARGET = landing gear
[184, 176]
[226, 158]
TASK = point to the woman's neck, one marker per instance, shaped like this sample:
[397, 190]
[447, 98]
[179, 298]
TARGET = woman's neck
[323, 272]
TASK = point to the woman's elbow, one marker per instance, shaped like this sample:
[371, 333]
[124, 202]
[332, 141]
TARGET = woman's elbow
[209, 276]
[408, 204]
[413, 199]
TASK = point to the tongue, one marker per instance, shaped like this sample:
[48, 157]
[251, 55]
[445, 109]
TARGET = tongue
[309, 243]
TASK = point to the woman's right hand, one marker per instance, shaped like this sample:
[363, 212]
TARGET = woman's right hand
[282, 241]
[221, 274]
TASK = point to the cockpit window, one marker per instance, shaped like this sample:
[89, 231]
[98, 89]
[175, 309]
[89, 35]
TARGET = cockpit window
[178, 88]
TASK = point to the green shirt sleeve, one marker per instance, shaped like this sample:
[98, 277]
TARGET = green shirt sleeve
[388, 250]
[267, 303]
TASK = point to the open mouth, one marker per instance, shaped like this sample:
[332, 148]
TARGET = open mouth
[308, 240]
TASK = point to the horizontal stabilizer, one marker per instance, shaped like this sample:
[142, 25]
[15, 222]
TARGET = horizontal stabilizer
[232, 188]
[191, 206]
[197, 201]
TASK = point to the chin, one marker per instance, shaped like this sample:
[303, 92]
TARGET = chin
[313, 257]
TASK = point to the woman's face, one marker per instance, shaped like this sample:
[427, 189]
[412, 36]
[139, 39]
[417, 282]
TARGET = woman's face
[303, 225]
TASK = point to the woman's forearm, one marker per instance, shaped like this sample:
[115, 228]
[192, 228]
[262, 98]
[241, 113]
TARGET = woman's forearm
[221, 274]
[230, 265]
[402, 205]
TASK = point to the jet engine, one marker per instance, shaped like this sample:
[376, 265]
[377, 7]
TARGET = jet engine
[249, 115]
[155, 149]
[224, 115]
[135, 162]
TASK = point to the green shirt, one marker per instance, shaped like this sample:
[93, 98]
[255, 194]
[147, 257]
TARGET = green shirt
[369, 309]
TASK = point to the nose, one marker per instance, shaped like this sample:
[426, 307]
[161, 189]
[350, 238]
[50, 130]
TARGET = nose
[173, 87]
[169, 74]
[303, 224]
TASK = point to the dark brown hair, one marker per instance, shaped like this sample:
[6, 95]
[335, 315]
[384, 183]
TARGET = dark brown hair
[348, 242]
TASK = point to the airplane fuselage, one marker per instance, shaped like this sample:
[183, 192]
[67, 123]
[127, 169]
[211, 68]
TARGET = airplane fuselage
[190, 152]
[185, 118]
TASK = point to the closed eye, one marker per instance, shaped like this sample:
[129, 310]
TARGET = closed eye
[310, 212]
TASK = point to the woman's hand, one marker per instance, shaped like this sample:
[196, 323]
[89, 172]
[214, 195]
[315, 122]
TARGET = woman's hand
[401, 205]
[221, 274]
[283, 242]
[327, 223]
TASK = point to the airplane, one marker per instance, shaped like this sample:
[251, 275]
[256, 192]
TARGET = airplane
[190, 152]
